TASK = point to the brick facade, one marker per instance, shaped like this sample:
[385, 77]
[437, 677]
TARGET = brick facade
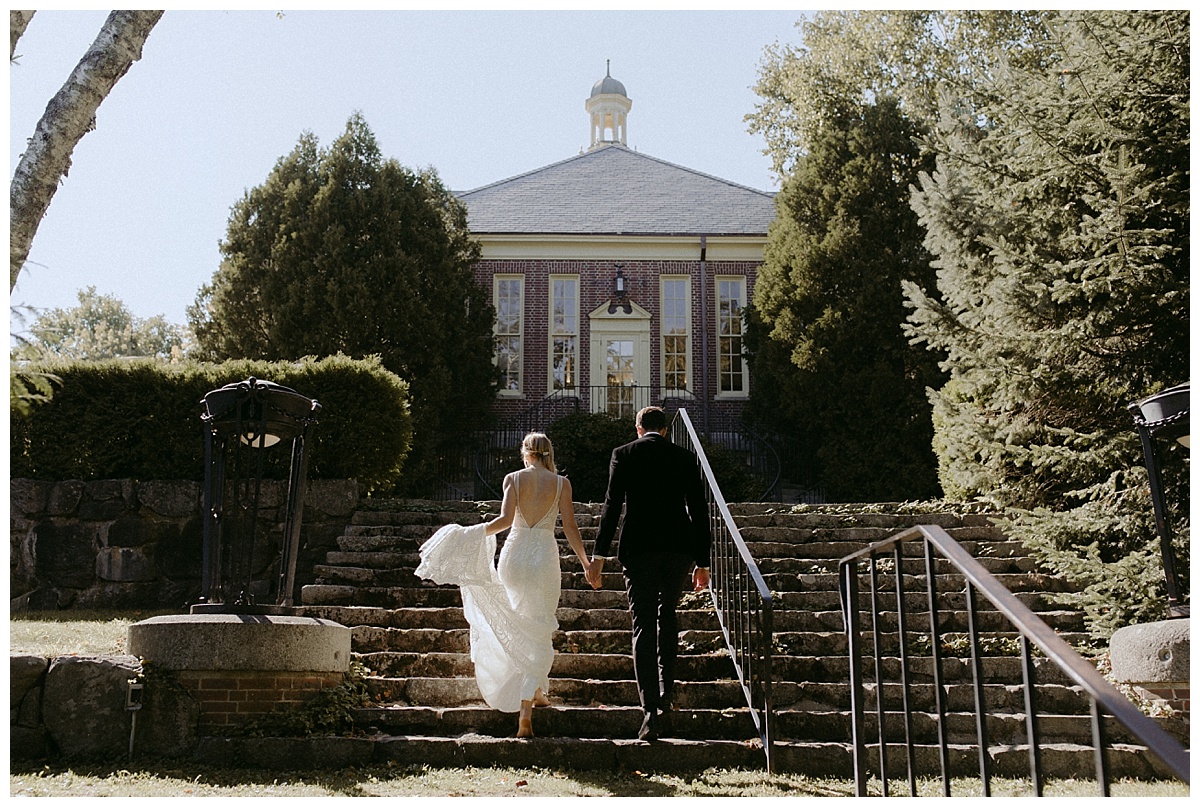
[595, 288]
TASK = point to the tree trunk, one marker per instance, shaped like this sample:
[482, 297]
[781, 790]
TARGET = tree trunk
[18, 21]
[69, 116]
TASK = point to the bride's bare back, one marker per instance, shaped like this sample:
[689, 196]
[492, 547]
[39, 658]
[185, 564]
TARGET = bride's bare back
[537, 492]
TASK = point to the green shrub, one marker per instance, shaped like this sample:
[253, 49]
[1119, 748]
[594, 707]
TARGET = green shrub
[140, 419]
[583, 444]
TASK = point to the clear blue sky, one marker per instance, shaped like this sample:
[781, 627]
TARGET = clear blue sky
[219, 96]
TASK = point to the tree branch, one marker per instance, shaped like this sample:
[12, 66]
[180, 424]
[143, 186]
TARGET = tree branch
[18, 21]
[68, 117]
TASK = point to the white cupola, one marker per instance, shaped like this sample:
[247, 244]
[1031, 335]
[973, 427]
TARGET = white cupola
[608, 106]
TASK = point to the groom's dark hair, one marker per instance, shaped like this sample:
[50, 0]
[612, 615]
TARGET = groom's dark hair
[652, 419]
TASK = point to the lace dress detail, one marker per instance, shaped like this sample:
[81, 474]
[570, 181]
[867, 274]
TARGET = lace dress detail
[510, 606]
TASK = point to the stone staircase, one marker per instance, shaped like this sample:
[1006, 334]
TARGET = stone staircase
[413, 638]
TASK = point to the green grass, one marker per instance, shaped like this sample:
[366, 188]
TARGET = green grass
[185, 780]
[64, 633]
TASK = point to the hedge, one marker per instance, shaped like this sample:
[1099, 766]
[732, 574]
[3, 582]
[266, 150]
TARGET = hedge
[140, 419]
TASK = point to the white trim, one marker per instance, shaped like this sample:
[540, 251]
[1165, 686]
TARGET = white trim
[519, 392]
[516, 246]
[744, 392]
[550, 334]
[690, 368]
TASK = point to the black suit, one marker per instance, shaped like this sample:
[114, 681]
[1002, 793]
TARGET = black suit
[665, 533]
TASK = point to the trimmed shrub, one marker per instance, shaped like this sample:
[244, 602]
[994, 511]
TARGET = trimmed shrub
[140, 419]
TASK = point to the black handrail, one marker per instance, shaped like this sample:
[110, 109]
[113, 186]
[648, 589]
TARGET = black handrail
[1104, 697]
[743, 602]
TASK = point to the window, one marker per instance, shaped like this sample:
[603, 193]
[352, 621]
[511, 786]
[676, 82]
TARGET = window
[564, 333]
[676, 341]
[731, 368]
[509, 328]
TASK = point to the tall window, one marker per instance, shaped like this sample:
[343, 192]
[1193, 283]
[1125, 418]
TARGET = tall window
[676, 303]
[509, 327]
[731, 369]
[564, 332]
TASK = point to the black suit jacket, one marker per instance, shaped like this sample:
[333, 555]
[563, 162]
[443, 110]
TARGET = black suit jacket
[660, 487]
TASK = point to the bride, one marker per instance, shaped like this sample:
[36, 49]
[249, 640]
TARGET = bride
[511, 606]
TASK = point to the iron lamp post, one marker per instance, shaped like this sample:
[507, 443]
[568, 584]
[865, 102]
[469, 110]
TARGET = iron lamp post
[244, 422]
[1164, 416]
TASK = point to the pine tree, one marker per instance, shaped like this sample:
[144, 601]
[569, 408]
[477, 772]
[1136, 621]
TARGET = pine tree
[1058, 213]
[343, 251]
[829, 290]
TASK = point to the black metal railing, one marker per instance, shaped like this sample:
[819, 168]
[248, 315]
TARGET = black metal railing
[743, 602]
[888, 557]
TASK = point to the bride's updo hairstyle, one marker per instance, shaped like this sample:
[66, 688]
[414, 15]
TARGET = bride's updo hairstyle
[537, 449]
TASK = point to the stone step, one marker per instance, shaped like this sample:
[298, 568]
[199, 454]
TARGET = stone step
[484, 751]
[584, 666]
[436, 597]
[1002, 728]
[576, 619]
[814, 759]
[441, 692]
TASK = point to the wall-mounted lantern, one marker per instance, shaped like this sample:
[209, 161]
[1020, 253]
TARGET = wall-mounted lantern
[620, 295]
[245, 422]
[1164, 416]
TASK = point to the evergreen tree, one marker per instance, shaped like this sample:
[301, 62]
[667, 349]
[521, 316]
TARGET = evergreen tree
[1058, 213]
[343, 251]
[829, 290]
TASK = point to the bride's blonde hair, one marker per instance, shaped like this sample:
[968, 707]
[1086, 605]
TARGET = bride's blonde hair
[537, 448]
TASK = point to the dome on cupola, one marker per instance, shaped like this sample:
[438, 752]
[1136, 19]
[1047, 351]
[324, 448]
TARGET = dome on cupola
[608, 86]
[608, 106]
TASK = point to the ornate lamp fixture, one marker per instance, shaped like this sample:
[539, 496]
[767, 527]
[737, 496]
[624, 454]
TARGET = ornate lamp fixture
[1165, 416]
[243, 422]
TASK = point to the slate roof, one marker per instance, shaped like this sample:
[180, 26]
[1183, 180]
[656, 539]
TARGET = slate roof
[613, 190]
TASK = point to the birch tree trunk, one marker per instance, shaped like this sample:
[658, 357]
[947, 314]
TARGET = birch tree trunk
[68, 117]
[18, 21]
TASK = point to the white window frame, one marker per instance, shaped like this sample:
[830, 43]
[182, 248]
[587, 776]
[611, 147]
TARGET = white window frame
[552, 334]
[719, 283]
[689, 365]
[497, 280]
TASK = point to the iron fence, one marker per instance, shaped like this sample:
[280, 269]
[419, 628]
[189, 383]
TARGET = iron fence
[1033, 633]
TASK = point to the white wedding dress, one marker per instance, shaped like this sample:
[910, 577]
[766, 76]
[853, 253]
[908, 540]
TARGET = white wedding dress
[510, 606]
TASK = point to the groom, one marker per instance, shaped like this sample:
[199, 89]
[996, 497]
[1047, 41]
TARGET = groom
[664, 537]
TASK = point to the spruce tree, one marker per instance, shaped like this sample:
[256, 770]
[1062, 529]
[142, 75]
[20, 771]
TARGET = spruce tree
[829, 290]
[1058, 215]
[343, 251]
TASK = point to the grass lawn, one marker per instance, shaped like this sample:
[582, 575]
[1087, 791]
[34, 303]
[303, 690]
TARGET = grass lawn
[183, 780]
[84, 633]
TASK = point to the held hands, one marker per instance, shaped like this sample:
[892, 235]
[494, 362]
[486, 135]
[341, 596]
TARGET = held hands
[591, 571]
[700, 579]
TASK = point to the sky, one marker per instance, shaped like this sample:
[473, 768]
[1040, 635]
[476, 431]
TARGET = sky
[219, 96]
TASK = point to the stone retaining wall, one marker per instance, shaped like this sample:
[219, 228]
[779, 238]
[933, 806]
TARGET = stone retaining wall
[76, 707]
[122, 543]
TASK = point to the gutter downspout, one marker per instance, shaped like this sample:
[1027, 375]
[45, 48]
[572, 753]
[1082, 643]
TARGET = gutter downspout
[704, 334]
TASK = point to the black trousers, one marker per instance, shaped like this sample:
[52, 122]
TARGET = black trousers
[655, 584]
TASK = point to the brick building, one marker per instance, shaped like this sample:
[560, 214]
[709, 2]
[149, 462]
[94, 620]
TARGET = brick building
[618, 279]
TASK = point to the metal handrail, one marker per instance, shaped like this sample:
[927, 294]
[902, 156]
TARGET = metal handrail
[1104, 697]
[740, 596]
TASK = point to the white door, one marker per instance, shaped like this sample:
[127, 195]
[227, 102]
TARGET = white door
[620, 360]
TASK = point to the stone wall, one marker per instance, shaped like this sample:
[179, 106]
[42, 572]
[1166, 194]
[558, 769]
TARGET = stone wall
[129, 544]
